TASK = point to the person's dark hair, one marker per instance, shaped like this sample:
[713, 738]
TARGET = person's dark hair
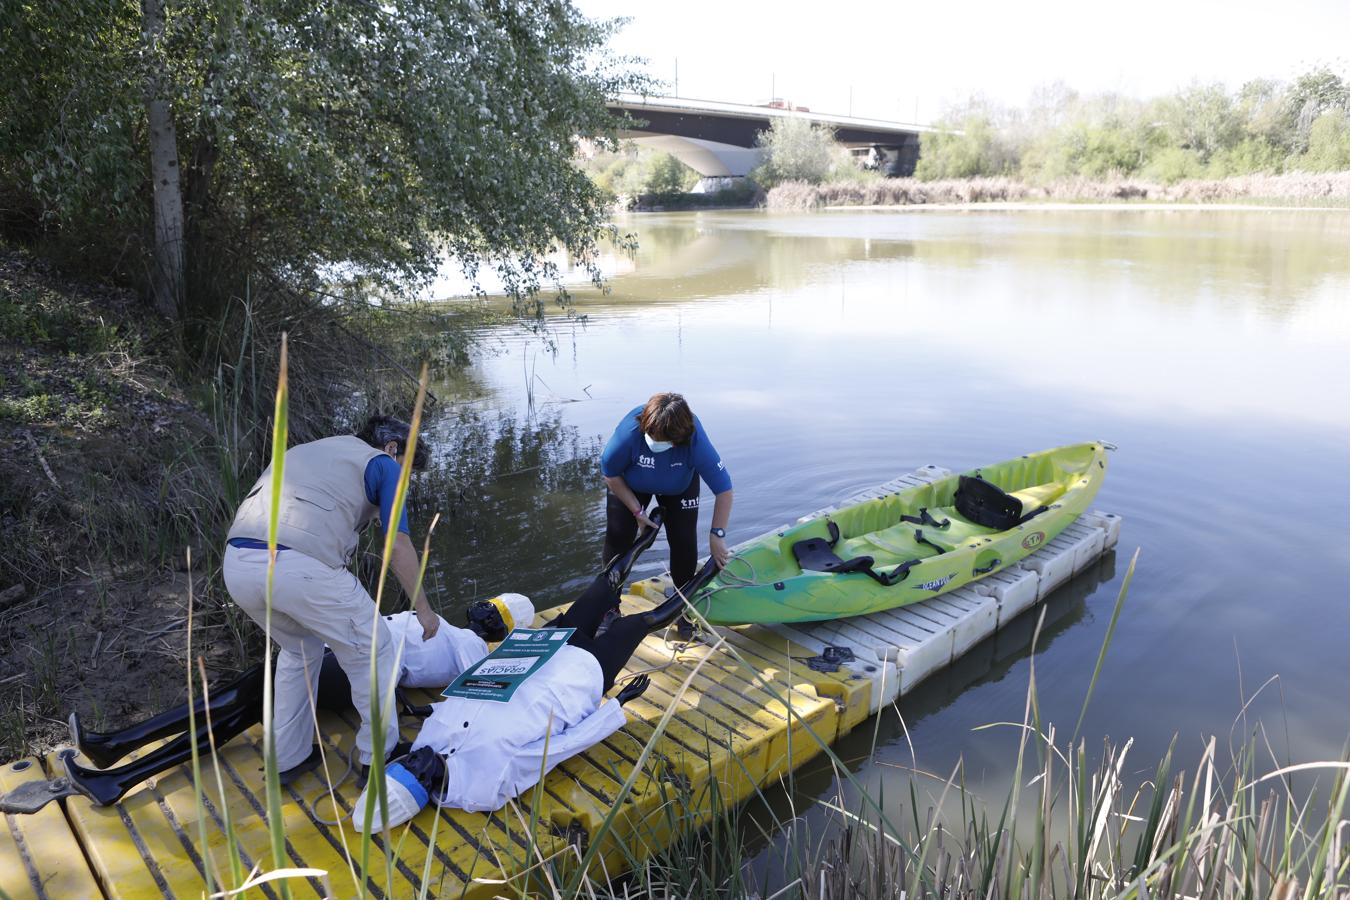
[666, 417]
[380, 430]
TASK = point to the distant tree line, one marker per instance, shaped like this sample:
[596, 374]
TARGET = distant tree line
[1201, 131]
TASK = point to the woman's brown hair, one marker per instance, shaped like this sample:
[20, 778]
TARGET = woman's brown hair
[666, 417]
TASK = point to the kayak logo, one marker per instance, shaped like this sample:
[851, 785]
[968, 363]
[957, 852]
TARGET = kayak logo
[689, 502]
[1033, 540]
[646, 462]
[936, 584]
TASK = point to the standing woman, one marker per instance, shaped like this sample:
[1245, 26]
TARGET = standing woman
[660, 449]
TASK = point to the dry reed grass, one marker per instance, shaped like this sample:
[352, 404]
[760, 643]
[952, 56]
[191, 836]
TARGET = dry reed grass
[1290, 188]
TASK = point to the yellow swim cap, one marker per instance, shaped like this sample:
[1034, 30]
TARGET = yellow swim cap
[505, 610]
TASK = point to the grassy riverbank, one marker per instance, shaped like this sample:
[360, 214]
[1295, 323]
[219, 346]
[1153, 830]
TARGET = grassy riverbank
[1304, 189]
[119, 456]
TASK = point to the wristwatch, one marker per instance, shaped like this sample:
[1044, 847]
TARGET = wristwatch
[718, 532]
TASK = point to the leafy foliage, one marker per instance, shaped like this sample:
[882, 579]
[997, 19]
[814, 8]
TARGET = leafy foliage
[637, 170]
[374, 137]
[1201, 131]
[796, 150]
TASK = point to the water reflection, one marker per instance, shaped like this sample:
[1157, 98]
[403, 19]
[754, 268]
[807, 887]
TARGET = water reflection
[1273, 259]
[518, 503]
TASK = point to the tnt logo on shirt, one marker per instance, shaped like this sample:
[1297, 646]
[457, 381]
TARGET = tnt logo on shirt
[646, 462]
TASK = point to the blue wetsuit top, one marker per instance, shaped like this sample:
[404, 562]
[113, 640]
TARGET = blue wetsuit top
[669, 472]
[381, 483]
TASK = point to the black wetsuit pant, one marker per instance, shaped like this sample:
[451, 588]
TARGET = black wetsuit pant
[613, 648]
[681, 524]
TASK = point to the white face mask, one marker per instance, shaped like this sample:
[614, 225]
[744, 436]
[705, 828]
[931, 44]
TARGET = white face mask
[657, 446]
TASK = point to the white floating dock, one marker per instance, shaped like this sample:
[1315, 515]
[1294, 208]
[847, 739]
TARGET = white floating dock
[899, 648]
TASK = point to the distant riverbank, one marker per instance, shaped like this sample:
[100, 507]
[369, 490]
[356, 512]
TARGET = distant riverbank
[1301, 189]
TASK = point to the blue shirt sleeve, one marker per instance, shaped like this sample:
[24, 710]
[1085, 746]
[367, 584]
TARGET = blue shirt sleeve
[381, 484]
[618, 455]
[707, 463]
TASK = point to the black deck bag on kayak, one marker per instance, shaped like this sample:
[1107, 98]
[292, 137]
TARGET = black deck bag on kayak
[987, 504]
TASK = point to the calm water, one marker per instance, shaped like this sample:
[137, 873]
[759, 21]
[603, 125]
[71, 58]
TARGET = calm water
[828, 352]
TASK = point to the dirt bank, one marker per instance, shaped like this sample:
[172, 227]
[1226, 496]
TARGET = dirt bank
[109, 475]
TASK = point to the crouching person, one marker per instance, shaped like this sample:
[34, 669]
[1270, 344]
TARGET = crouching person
[332, 489]
[478, 754]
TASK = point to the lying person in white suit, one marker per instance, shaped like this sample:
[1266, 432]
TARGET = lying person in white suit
[478, 754]
[237, 706]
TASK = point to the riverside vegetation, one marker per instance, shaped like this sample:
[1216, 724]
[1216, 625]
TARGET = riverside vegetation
[1268, 142]
[181, 182]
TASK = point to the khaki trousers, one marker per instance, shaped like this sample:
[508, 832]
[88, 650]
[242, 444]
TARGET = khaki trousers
[313, 605]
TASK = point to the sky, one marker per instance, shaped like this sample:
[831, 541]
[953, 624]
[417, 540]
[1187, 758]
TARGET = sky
[905, 61]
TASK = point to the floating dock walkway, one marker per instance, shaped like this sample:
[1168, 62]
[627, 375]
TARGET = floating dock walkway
[753, 708]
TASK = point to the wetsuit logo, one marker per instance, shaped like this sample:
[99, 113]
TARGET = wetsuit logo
[646, 462]
[689, 502]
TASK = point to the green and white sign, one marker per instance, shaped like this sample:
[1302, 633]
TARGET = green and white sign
[496, 676]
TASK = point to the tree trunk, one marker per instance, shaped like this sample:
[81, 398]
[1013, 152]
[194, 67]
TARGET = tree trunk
[168, 266]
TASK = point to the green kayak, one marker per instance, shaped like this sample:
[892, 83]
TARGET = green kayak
[907, 546]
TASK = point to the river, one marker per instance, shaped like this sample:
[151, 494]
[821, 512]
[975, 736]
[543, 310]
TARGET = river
[830, 351]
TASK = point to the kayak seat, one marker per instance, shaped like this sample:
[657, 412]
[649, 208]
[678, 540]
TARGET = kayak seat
[820, 555]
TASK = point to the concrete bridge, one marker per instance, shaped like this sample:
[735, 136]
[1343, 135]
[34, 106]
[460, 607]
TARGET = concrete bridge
[717, 140]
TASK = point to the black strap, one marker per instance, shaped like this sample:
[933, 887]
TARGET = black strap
[925, 518]
[918, 536]
[894, 576]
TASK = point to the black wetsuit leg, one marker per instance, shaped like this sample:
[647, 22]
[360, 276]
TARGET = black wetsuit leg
[681, 524]
[237, 700]
[588, 611]
[335, 689]
[241, 695]
[623, 635]
[615, 648]
[106, 786]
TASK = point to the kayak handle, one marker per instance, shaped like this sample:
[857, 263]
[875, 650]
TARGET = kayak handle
[987, 569]
[894, 576]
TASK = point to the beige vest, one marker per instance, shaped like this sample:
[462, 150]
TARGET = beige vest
[323, 500]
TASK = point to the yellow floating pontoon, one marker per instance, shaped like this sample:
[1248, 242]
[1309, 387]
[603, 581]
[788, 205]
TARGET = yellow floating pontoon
[749, 707]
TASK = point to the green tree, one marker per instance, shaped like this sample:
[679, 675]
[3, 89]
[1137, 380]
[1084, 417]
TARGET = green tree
[1201, 119]
[1311, 95]
[973, 146]
[1328, 143]
[378, 137]
[666, 175]
[795, 149]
